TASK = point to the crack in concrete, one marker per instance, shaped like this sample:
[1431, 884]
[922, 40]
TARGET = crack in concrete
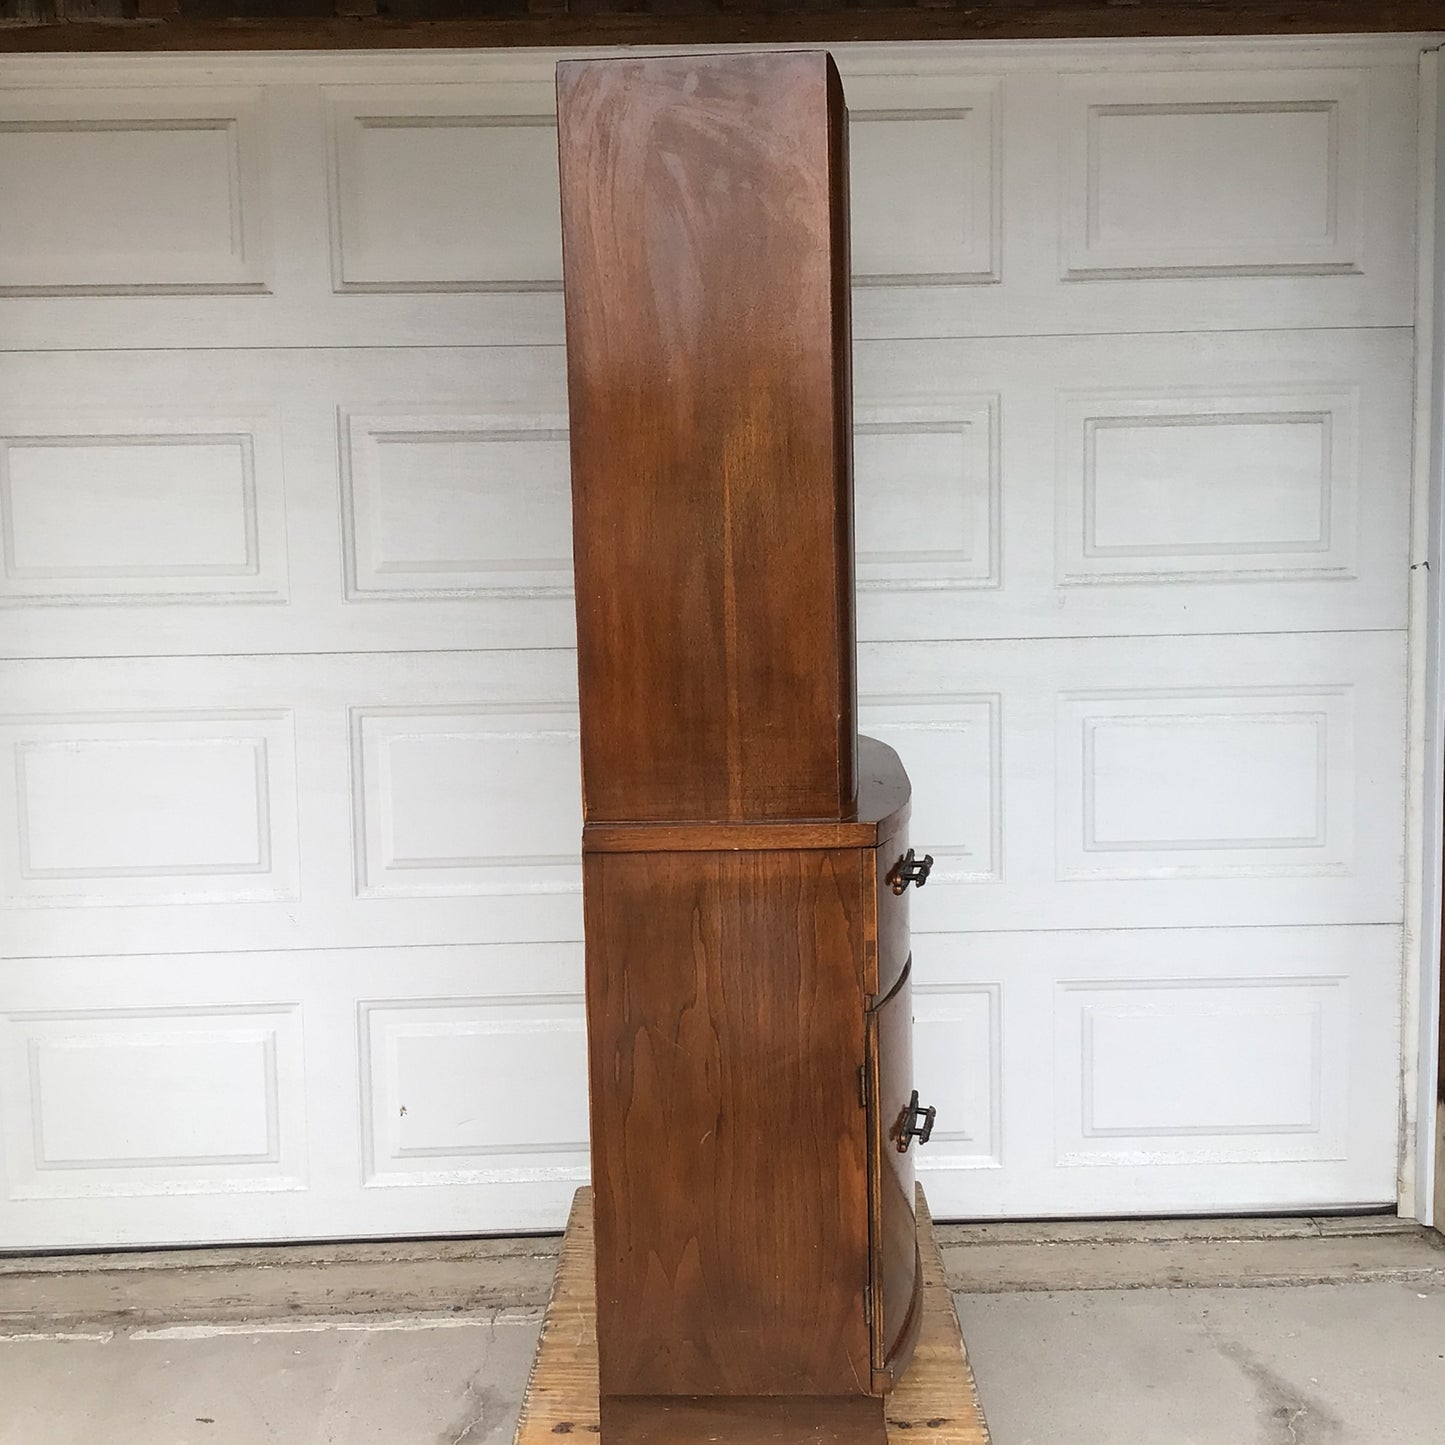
[1289, 1416]
[479, 1415]
[477, 1403]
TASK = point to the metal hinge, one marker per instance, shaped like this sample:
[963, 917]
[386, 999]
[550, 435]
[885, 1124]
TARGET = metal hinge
[863, 1085]
[868, 1305]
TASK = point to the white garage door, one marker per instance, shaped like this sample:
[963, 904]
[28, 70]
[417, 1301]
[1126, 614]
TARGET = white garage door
[289, 803]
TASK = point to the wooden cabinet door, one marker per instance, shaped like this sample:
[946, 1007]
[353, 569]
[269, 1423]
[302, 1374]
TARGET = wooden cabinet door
[896, 1302]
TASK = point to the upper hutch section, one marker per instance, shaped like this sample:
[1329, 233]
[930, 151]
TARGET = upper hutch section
[704, 230]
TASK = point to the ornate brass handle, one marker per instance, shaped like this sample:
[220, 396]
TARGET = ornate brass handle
[909, 1125]
[909, 869]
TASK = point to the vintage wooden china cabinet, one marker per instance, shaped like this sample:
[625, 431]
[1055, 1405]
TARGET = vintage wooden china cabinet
[745, 853]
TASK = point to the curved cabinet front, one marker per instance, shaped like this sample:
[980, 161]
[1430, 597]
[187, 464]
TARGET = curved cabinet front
[897, 1301]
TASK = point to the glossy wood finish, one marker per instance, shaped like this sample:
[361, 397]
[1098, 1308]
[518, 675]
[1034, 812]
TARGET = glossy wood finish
[882, 811]
[704, 237]
[896, 1280]
[730, 1158]
[890, 923]
[754, 1212]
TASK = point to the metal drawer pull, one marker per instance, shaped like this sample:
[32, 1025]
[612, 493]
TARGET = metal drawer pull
[909, 869]
[909, 1128]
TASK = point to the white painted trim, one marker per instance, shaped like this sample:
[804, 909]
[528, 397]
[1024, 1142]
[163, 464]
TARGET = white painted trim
[1426, 851]
[919, 57]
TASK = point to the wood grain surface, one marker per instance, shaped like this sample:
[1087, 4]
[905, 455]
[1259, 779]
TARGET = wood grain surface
[881, 813]
[936, 1402]
[704, 239]
[729, 1134]
[895, 1277]
[890, 914]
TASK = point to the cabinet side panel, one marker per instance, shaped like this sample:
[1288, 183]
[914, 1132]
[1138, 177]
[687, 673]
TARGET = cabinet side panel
[700, 216]
[842, 282]
[729, 1140]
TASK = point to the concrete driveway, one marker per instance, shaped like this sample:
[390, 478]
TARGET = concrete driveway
[1293, 1332]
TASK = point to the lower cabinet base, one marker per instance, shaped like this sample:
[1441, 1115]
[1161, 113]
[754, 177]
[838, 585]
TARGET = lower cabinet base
[935, 1403]
[745, 1420]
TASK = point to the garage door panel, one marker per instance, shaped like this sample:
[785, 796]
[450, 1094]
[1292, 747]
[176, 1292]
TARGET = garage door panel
[1245, 782]
[100, 506]
[1234, 488]
[958, 1066]
[1231, 1065]
[132, 191]
[927, 483]
[1208, 784]
[466, 1091]
[331, 919]
[116, 1103]
[1252, 482]
[369, 501]
[298, 310]
[1129, 1058]
[1233, 781]
[395, 800]
[123, 809]
[1129, 199]
[461, 504]
[290, 901]
[1021, 197]
[993, 1072]
[449, 188]
[414, 516]
[463, 800]
[280, 214]
[1214, 174]
[331, 1092]
[925, 162]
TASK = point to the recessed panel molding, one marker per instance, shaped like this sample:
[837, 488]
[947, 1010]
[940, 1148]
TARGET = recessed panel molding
[466, 800]
[486, 1090]
[170, 1101]
[132, 192]
[452, 505]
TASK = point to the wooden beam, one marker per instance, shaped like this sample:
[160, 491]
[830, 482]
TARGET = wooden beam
[735, 23]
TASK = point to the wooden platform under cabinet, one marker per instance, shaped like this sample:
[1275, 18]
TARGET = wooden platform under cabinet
[936, 1403]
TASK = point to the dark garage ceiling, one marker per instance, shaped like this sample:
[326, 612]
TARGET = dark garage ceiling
[39, 25]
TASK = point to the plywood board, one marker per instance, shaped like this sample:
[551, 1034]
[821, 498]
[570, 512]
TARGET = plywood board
[936, 1403]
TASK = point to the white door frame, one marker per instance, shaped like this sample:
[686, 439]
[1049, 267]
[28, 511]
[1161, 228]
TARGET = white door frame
[1421, 1192]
